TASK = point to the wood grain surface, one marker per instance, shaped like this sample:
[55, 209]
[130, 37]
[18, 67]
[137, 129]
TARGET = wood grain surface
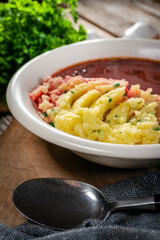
[24, 156]
[116, 16]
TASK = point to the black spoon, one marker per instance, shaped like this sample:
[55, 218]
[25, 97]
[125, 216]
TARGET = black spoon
[64, 203]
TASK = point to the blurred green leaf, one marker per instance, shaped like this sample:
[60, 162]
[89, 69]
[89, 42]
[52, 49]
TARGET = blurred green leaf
[29, 28]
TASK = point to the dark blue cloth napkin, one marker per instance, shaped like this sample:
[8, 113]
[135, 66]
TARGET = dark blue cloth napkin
[126, 225]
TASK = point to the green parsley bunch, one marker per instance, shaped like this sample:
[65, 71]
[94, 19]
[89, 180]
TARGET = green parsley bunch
[29, 28]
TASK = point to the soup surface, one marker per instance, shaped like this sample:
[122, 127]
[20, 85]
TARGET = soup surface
[134, 70]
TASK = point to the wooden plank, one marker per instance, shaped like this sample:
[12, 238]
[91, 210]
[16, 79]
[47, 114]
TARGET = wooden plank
[25, 156]
[114, 17]
[5, 122]
[89, 26]
[149, 6]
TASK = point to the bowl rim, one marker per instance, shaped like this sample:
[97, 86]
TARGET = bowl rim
[72, 142]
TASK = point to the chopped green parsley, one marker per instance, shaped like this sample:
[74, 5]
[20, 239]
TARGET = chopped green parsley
[157, 128]
[116, 85]
[45, 114]
[52, 124]
[99, 131]
[110, 100]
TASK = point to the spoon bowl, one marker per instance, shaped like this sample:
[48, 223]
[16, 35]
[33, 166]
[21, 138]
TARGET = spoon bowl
[59, 203]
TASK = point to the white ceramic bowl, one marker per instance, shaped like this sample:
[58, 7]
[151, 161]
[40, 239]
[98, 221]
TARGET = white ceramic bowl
[32, 73]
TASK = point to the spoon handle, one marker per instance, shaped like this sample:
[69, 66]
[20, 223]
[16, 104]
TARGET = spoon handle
[157, 201]
[148, 203]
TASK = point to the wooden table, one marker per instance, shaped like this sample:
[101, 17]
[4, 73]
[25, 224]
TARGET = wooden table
[24, 156]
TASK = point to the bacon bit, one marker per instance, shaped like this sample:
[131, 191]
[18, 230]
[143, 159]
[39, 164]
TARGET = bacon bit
[47, 79]
[36, 93]
[39, 101]
[45, 105]
[54, 98]
[54, 83]
[55, 91]
[134, 92]
[45, 97]
[72, 81]
[62, 88]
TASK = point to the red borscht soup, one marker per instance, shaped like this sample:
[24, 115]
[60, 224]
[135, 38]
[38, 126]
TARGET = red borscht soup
[145, 72]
